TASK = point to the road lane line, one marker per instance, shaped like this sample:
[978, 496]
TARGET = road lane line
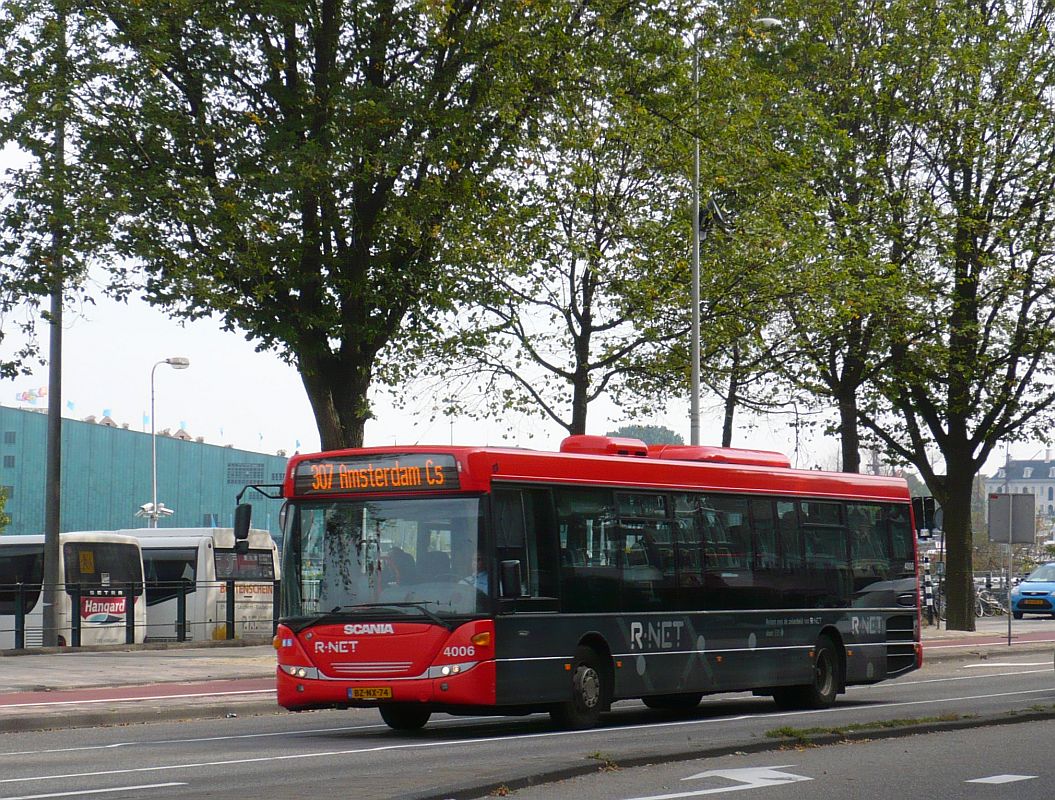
[506, 738]
[57, 703]
[94, 791]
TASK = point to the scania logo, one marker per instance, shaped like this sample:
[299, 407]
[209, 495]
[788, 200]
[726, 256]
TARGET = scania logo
[370, 627]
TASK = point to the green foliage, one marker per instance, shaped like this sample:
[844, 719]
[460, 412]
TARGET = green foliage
[5, 519]
[55, 213]
[649, 434]
[305, 174]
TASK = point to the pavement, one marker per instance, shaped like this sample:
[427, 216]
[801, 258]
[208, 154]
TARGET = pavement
[44, 688]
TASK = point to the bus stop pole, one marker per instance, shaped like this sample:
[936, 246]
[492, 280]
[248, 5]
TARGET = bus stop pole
[275, 605]
[181, 612]
[230, 609]
[20, 617]
[1010, 560]
[130, 613]
[75, 617]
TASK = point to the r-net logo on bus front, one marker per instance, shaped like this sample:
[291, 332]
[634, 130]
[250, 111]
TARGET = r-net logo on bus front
[378, 473]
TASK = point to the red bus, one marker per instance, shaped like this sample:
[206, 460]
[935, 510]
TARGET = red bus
[473, 580]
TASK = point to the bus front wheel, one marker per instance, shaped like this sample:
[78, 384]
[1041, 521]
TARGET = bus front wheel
[821, 692]
[404, 717]
[587, 692]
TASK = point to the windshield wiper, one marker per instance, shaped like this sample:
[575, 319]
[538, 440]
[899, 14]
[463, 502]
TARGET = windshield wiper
[420, 606]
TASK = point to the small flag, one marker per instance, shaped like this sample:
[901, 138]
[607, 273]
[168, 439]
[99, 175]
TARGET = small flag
[70, 405]
[298, 444]
[183, 424]
[106, 412]
[146, 419]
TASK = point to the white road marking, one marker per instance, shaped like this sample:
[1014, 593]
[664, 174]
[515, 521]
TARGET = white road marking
[745, 778]
[998, 779]
[997, 664]
[53, 703]
[95, 791]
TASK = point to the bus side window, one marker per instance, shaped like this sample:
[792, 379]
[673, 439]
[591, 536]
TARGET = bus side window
[591, 546]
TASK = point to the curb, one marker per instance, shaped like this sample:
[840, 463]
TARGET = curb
[116, 717]
[134, 648]
[974, 650]
[524, 781]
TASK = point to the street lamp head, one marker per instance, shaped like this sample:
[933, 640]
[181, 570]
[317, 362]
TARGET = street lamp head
[178, 362]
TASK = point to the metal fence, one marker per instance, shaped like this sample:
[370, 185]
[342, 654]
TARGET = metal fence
[19, 602]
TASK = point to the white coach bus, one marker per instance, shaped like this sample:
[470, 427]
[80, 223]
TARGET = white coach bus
[201, 561]
[99, 563]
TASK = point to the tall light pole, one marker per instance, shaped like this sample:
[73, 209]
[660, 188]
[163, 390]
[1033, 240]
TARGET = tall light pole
[176, 362]
[763, 23]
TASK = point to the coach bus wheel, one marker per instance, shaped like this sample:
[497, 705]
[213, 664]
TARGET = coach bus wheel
[404, 717]
[674, 702]
[822, 691]
[587, 692]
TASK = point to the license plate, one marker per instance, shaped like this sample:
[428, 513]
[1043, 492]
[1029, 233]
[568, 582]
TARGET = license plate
[371, 693]
[1032, 603]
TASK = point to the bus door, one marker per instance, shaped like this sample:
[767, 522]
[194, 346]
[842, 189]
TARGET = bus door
[21, 564]
[524, 531]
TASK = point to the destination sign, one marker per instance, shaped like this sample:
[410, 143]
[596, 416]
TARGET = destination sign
[370, 474]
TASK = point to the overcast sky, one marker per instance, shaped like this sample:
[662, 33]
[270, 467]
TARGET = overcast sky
[232, 394]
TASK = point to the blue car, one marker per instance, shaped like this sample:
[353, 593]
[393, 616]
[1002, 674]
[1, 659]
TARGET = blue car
[1036, 594]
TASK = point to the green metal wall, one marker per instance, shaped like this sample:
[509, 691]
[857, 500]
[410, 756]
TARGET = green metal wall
[106, 477]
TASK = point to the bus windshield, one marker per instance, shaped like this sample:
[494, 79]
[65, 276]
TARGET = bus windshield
[419, 555]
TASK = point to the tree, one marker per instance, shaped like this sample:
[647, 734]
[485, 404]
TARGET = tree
[53, 216]
[649, 434]
[962, 177]
[5, 519]
[566, 304]
[302, 170]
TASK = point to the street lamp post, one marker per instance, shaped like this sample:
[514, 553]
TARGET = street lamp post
[764, 23]
[176, 362]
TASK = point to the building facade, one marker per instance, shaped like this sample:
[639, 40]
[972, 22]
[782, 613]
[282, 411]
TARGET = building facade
[1035, 477]
[107, 475]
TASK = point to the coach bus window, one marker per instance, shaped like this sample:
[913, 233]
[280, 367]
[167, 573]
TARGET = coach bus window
[20, 564]
[591, 550]
[165, 568]
[102, 564]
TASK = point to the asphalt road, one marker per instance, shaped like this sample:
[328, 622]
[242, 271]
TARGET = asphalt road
[352, 754]
[983, 763]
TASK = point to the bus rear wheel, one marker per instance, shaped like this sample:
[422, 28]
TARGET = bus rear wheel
[685, 701]
[587, 692]
[823, 689]
[402, 717]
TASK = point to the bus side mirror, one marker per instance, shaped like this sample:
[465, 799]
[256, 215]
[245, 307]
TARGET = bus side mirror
[243, 516]
[509, 572]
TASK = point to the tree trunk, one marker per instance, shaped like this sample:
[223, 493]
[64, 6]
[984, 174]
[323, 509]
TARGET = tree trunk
[850, 437]
[959, 562]
[731, 397]
[338, 393]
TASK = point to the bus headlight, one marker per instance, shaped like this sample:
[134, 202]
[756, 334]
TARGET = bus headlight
[447, 670]
[301, 672]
